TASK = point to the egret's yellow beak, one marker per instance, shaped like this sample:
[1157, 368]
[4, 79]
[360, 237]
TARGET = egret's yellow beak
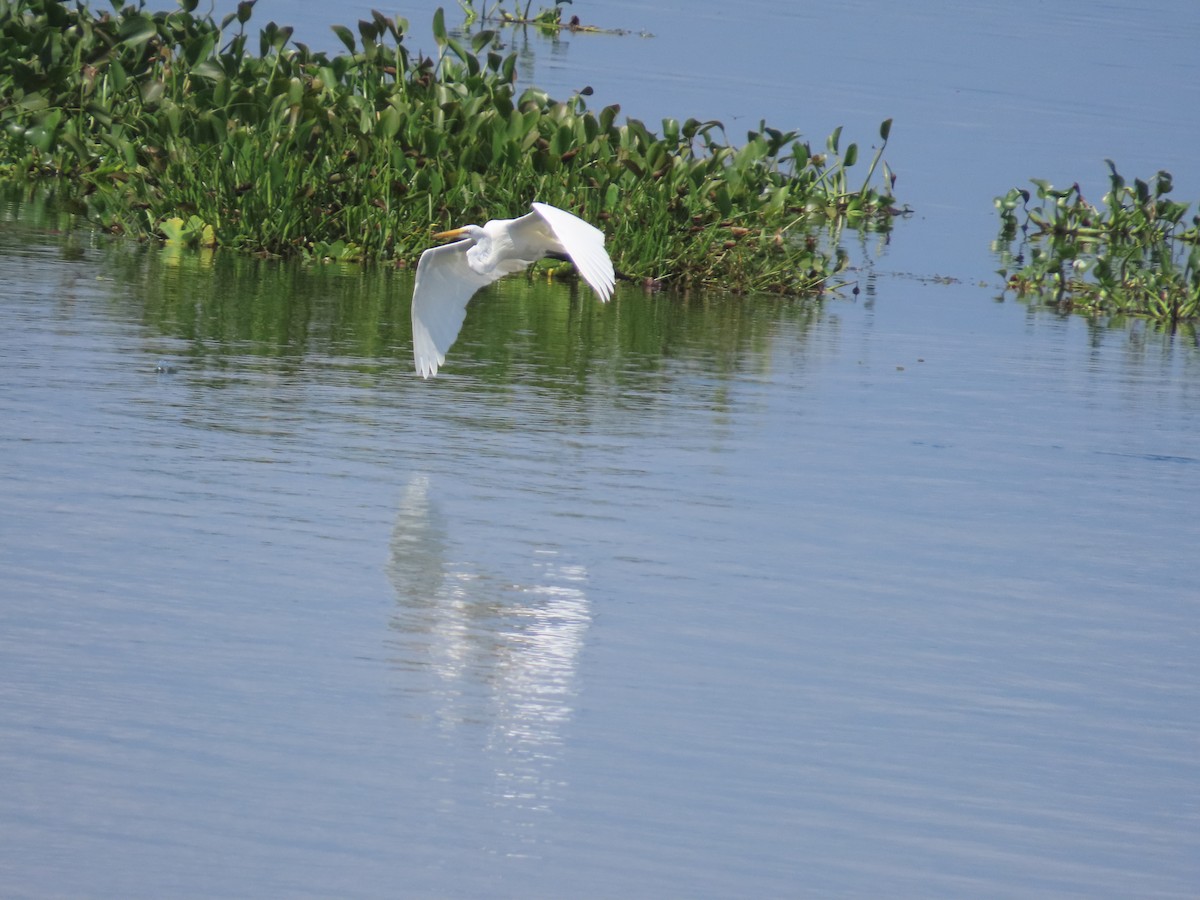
[452, 233]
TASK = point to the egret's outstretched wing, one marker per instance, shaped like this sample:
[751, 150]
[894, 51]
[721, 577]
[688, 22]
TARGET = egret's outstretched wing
[449, 276]
[584, 244]
[444, 286]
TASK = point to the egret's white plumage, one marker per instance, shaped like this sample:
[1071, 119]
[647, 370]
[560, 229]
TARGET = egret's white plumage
[448, 276]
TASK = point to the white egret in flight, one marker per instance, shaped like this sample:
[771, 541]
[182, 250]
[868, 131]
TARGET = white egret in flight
[448, 276]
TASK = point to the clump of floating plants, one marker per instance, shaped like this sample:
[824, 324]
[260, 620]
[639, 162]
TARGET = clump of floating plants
[548, 19]
[1132, 255]
[172, 125]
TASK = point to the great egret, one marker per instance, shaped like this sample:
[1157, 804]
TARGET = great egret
[448, 276]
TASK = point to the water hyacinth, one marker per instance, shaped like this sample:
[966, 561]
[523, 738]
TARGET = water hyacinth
[1132, 254]
[174, 125]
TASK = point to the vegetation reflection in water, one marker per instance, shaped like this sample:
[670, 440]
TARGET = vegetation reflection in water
[222, 305]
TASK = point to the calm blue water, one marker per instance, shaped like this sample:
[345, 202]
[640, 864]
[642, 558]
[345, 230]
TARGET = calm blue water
[892, 595]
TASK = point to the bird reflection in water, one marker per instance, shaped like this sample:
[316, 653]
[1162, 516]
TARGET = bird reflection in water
[489, 660]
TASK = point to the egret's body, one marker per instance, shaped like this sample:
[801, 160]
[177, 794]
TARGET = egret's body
[448, 276]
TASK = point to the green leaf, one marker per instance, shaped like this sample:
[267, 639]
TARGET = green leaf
[608, 115]
[562, 140]
[137, 30]
[832, 142]
[481, 40]
[152, 92]
[458, 50]
[100, 114]
[34, 100]
[173, 229]
[46, 130]
[345, 35]
[117, 72]
[209, 69]
[389, 122]
[721, 198]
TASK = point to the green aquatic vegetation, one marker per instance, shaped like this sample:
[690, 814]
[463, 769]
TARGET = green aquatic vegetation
[195, 232]
[548, 20]
[174, 125]
[1133, 254]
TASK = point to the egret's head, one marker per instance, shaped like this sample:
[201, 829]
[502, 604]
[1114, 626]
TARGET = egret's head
[467, 232]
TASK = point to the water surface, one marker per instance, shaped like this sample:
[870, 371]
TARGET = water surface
[741, 597]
